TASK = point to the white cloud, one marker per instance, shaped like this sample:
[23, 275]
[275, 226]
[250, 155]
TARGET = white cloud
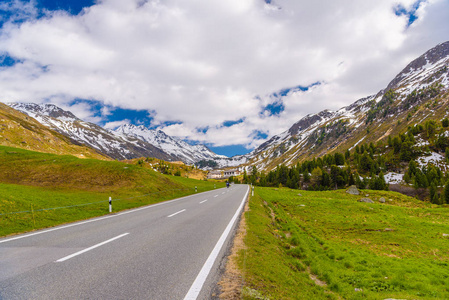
[116, 124]
[17, 10]
[204, 62]
[81, 110]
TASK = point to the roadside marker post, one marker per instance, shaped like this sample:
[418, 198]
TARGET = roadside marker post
[32, 212]
[110, 204]
[196, 189]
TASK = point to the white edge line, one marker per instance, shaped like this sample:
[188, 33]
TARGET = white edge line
[203, 201]
[176, 213]
[98, 218]
[197, 285]
[90, 248]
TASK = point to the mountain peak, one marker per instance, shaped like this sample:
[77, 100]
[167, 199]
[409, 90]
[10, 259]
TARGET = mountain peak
[418, 93]
[47, 110]
[177, 148]
[432, 59]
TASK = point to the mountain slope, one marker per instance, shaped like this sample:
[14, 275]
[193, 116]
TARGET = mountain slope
[126, 142]
[20, 131]
[417, 93]
[89, 134]
[178, 149]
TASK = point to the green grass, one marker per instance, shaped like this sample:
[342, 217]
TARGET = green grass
[359, 250]
[40, 190]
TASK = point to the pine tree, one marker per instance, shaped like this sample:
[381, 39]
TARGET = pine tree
[339, 159]
[390, 141]
[359, 182]
[407, 177]
[445, 122]
[434, 194]
[317, 173]
[347, 155]
[446, 193]
[306, 176]
[245, 177]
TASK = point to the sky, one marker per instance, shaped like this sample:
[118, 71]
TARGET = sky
[228, 74]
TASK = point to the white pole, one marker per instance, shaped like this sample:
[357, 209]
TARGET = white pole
[110, 204]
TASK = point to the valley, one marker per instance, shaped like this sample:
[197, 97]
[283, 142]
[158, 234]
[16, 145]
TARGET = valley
[306, 238]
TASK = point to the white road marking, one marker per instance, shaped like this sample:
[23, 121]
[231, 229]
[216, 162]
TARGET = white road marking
[90, 248]
[215, 196]
[203, 201]
[176, 213]
[197, 285]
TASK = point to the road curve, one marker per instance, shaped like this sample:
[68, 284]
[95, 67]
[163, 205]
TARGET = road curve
[161, 251]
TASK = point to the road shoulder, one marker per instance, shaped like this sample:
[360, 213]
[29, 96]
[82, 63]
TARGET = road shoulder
[232, 280]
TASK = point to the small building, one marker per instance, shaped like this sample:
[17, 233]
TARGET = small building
[214, 174]
[232, 172]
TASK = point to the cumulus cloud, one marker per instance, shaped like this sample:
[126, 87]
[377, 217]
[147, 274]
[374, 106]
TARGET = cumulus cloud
[115, 124]
[16, 11]
[201, 63]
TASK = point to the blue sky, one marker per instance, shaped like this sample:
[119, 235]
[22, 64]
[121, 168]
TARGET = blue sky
[202, 70]
[410, 13]
[72, 6]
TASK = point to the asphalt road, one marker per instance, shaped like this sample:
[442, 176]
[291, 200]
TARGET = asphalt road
[162, 251]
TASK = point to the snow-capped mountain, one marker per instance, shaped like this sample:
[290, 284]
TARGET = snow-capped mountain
[417, 93]
[177, 148]
[18, 130]
[126, 142]
[89, 134]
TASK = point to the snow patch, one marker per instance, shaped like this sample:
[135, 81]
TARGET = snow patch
[393, 178]
[433, 158]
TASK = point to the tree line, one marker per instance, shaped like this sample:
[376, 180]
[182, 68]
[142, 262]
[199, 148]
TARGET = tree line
[366, 164]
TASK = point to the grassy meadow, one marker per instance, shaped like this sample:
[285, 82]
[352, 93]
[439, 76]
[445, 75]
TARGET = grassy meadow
[327, 245]
[39, 190]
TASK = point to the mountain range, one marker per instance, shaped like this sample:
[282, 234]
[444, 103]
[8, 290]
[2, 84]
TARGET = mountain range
[417, 93]
[126, 142]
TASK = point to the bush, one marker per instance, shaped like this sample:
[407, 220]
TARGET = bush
[445, 122]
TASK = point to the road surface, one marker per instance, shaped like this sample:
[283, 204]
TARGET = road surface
[161, 251]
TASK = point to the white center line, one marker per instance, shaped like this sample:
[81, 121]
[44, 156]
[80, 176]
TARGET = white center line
[96, 219]
[203, 201]
[90, 248]
[215, 196]
[176, 213]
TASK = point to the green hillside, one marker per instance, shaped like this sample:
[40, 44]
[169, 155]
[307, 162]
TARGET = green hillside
[327, 245]
[33, 184]
[21, 131]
